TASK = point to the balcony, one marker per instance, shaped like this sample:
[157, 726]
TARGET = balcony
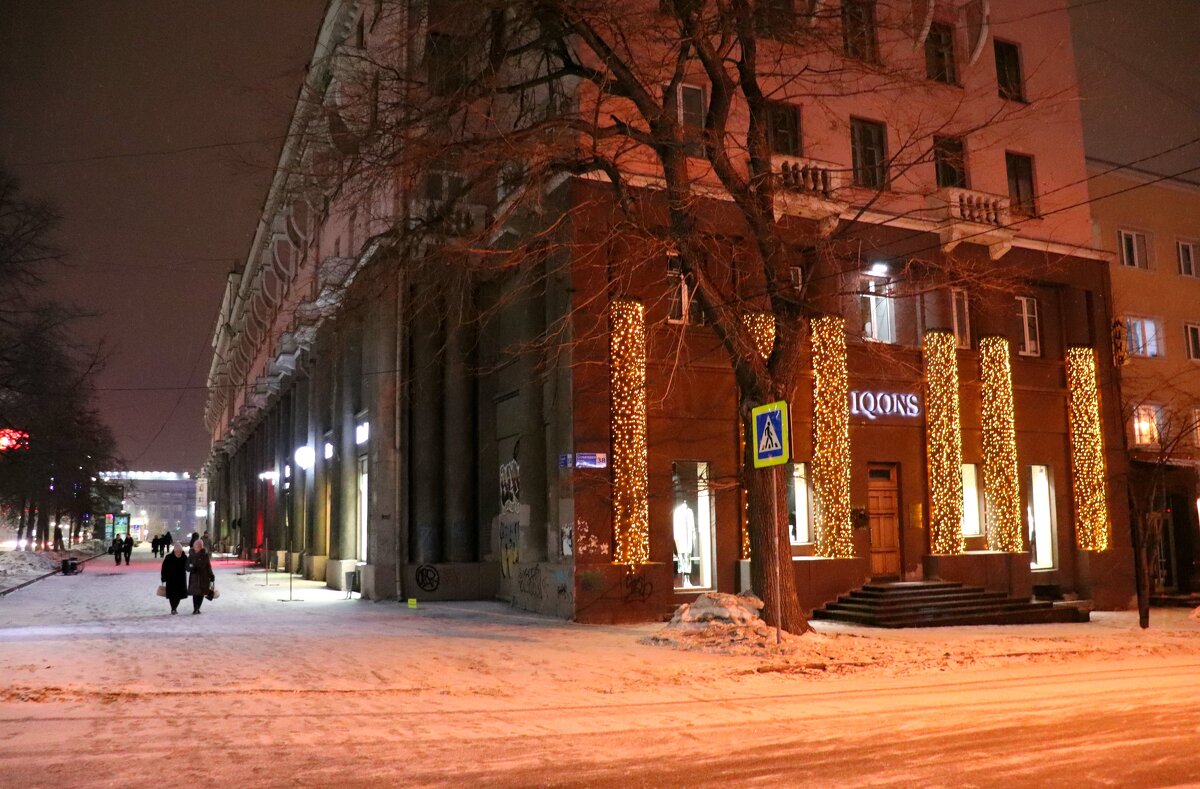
[964, 215]
[809, 188]
[435, 218]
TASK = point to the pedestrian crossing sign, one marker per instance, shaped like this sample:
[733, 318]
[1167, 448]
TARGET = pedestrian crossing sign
[772, 434]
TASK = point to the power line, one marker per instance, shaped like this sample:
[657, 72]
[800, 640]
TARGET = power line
[158, 152]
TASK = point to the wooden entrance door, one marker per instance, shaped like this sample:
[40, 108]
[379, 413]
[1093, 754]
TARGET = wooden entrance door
[883, 510]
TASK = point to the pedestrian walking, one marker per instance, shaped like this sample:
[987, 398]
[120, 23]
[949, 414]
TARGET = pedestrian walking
[174, 576]
[202, 580]
[128, 548]
[58, 538]
[117, 549]
[154, 546]
[192, 541]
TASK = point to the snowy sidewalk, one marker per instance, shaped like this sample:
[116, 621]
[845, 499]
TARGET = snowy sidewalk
[330, 691]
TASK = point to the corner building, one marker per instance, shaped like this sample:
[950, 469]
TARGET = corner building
[368, 425]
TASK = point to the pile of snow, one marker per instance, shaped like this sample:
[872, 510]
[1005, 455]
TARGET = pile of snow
[26, 564]
[723, 623]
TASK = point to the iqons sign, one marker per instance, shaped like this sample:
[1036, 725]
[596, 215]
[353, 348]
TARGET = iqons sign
[873, 405]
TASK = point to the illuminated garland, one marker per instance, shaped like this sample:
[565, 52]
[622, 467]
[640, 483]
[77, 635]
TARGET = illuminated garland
[943, 443]
[831, 438]
[1087, 451]
[1000, 471]
[630, 474]
[761, 326]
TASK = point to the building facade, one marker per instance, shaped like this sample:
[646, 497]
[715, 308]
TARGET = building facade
[1151, 225]
[159, 502]
[577, 447]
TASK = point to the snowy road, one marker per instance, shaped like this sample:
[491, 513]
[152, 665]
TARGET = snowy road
[98, 687]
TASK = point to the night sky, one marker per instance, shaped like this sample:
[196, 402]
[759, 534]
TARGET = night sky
[86, 86]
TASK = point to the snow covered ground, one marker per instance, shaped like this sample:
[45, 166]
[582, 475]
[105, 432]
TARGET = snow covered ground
[17, 567]
[328, 691]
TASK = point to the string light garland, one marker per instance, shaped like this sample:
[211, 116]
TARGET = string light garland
[761, 326]
[943, 443]
[630, 468]
[831, 438]
[1092, 530]
[1001, 476]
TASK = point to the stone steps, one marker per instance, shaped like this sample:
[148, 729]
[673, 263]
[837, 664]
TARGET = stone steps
[940, 604]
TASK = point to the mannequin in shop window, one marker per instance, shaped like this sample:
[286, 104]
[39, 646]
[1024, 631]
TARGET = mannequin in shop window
[686, 540]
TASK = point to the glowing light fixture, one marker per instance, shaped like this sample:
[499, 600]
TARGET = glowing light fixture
[630, 466]
[362, 432]
[1000, 471]
[943, 443]
[269, 476]
[305, 457]
[1092, 528]
[200, 512]
[879, 270]
[831, 438]
[328, 450]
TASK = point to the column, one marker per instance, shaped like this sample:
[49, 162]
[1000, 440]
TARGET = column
[1093, 528]
[943, 443]
[459, 434]
[630, 472]
[1001, 473]
[427, 460]
[831, 438]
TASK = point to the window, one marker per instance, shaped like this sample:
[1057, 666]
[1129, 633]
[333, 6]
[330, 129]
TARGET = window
[799, 495]
[1134, 249]
[1196, 432]
[1041, 519]
[446, 63]
[783, 128]
[687, 102]
[441, 186]
[868, 151]
[1143, 336]
[1147, 424]
[1031, 338]
[878, 309]
[1020, 184]
[972, 525]
[363, 509]
[949, 162]
[1187, 258]
[683, 290]
[774, 17]
[939, 54]
[692, 524]
[1008, 71]
[1191, 333]
[858, 29]
[960, 314]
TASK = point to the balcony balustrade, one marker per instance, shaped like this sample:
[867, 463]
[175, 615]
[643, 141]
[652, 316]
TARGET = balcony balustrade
[964, 215]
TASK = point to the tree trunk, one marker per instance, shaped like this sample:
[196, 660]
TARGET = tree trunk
[770, 549]
[43, 527]
[1140, 570]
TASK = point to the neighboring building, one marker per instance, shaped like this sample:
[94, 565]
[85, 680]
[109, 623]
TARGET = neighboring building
[159, 502]
[1152, 227]
[363, 421]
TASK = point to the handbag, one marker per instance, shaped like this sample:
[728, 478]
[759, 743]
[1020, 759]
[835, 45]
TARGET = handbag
[212, 593]
[161, 591]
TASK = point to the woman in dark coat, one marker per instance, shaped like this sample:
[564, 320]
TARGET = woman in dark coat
[174, 577]
[128, 548]
[118, 549]
[202, 577]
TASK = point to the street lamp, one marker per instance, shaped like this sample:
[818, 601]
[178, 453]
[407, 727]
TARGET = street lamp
[306, 456]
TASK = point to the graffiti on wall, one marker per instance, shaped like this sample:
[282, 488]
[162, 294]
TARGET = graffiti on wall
[510, 542]
[638, 588]
[428, 578]
[531, 582]
[586, 543]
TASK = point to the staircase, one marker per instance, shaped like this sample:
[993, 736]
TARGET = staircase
[940, 604]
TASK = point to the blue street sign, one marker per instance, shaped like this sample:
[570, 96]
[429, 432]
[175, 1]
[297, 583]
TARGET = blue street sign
[591, 460]
[772, 437]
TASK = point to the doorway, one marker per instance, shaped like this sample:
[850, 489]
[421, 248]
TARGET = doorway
[883, 513]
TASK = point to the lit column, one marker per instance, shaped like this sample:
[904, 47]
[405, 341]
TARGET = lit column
[1087, 451]
[627, 379]
[831, 438]
[761, 326]
[943, 443]
[1000, 471]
